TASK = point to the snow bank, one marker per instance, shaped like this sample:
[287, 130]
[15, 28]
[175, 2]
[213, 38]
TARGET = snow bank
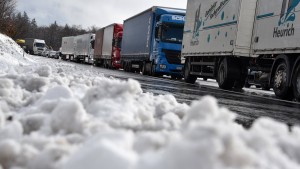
[11, 53]
[58, 116]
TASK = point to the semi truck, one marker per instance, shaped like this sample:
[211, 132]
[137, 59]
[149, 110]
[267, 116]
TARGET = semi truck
[223, 39]
[35, 46]
[108, 46]
[67, 48]
[84, 48]
[152, 42]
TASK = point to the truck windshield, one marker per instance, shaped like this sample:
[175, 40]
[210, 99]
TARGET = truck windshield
[172, 33]
[40, 45]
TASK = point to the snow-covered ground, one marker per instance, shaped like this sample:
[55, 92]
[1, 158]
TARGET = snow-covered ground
[57, 116]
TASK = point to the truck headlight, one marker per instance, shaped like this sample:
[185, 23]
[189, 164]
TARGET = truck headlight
[162, 66]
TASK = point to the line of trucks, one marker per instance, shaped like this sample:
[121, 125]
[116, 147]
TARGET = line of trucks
[219, 39]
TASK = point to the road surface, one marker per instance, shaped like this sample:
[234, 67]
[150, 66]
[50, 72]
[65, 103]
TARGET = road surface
[249, 104]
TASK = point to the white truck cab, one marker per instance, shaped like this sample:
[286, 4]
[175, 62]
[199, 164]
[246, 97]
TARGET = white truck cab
[39, 46]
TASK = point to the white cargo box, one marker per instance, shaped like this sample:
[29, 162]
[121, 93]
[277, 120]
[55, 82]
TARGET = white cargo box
[83, 44]
[107, 42]
[277, 27]
[67, 45]
[218, 27]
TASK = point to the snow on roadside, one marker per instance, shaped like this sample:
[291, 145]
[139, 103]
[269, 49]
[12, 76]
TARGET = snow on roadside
[9, 48]
[57, 116]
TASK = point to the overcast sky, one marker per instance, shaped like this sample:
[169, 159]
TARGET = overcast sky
[89, 12]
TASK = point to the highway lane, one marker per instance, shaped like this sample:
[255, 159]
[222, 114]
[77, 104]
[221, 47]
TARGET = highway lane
[248, 104]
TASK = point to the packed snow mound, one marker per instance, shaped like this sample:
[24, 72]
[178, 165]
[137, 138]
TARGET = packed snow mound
[11, 53]
[113, 124]
[60, 116]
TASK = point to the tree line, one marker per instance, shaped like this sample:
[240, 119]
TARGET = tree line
[18, 25]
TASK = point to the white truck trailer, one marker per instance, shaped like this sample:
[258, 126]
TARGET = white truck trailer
[67, 47]
[84, 48]
[224, 38]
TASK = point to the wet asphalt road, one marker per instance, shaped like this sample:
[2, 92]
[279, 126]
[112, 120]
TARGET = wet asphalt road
[247, 104]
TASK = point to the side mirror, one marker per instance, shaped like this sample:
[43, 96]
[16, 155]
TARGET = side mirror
[93, 44]
[156, 32]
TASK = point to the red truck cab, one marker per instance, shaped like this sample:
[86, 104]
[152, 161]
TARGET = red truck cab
[116, 50]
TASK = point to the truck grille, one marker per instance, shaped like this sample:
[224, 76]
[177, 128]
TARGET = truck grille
[173, 56]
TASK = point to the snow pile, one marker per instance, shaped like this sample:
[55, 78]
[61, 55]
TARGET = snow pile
[11, 53]
[58, 116]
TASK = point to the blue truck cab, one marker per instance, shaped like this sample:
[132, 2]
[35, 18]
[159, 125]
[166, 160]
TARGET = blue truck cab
[167, 42]
[152, 42]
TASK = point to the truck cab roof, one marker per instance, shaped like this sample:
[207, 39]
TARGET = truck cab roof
[39, 41]
[158, 10]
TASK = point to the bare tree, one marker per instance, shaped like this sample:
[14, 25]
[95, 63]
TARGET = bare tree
[7, 9]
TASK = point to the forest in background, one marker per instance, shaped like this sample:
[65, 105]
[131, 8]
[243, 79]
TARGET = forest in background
[18, 25]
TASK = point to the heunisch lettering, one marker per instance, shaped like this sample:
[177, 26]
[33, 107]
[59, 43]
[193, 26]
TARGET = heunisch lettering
[278, 33]
[218, 9]
[207, 13]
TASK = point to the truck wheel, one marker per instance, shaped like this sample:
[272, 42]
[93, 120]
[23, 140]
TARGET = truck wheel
[144, 72]
[187, 76]
[247, 85]
[265, 87]
[222, 77]
[296, 83]
[126, 67]
[239, 84]
[280, 81]
[129, 67]
[173, 77]
[176, 77]
[153, 72]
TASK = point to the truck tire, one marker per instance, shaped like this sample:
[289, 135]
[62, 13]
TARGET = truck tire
[247, 85]
[280, 81]
[153, 72]
[222, 77]
[296, 83]
[129, 66]
[126, 67]
[265, 87]
[239, 84]
[188, 78]
[144, 69]
[176, 77]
